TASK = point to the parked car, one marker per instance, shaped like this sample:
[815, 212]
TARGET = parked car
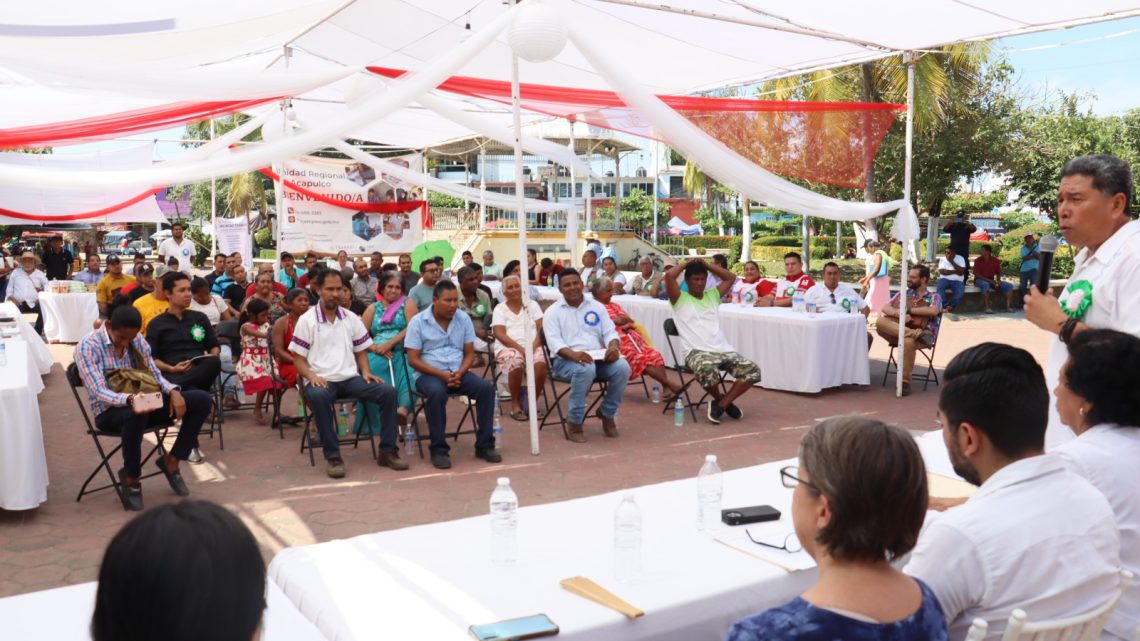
[133, 247]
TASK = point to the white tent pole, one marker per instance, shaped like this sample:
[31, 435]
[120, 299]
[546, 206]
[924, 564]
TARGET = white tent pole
[806, 248]
[424, 162]
[572, 224]
[516, 116]
[589, 188]
[279, 169]
[482, 189]
[214, 206]
[909, 59]
[745, 230]
[655, 149]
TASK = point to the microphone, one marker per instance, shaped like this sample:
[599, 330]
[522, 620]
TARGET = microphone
[1045, 247]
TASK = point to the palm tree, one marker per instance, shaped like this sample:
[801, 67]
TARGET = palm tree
[700, 185]
[246, 193]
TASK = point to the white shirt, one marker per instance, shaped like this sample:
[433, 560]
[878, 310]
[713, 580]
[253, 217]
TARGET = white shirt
[213, 309]
[25, 287]
[945, 264]
[1107, 456]
[698, 323]
[1034, 536]
[330, 346]
[183, 251]
[1114, 271]
[788, 288]
[617, 277]
[845, 298]
[516, 324]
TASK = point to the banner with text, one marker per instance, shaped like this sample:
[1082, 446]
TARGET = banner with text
[233, 236]
[310, 224]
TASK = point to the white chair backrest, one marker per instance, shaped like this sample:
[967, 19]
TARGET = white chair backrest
[1081, 627]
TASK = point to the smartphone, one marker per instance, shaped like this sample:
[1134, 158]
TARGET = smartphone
[745, 515]
[148, 402]
[538, 625]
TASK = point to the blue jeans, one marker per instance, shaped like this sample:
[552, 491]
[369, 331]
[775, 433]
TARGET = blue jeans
[1028, 279]
[321, 401]
[472, 386]
[616, 375]
[957, 289]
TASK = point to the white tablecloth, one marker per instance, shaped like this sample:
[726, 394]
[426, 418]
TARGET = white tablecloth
[40, 354]
[68, 317]
[431, 582]
[64, 614]
[796, 352]
[23, 463]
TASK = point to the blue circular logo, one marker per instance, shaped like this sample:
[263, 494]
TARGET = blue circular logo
[592, 319]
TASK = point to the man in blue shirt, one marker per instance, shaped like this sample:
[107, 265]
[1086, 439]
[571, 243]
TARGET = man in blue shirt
[93, 274]
[441, 350]
[574, 327]
[1029, 265]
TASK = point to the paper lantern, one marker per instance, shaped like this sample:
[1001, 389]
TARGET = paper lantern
[537, 33]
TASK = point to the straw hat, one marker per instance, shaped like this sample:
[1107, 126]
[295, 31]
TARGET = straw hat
[28, 255]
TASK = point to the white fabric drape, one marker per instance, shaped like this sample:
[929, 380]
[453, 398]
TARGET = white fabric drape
[724, 164]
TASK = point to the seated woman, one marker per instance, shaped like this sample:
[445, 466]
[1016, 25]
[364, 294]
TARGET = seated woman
[209, 304]
[387, 322]
[751, 289]
[153, 582]
[263, 291]
[610, 270]
[532, 267]
[514, 268]
[296, 304]
[509, 325]
[847, 464]
[634, 347]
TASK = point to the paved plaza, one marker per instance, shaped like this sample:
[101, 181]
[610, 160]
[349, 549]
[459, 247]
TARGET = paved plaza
[286, 502]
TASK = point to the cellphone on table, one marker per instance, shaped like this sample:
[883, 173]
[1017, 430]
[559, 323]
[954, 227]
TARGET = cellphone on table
[531, 627]
[753, 514]
[145, 403]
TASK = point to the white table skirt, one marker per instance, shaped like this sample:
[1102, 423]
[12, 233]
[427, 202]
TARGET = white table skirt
[796, 352]
[64, 614]
[39, 351]
[431, 582]
[23, 462]
[68, 317]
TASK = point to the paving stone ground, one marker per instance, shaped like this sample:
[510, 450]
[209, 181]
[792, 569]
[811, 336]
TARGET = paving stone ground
[286, 502]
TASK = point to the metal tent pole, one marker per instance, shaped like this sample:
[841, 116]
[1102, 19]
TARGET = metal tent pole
[909, 59]
[214, 206]
[656, 151]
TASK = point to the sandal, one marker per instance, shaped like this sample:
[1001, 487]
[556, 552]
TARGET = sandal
[519, 415]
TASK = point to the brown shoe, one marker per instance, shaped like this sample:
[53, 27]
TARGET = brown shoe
[391, 460]
[334, 467]
[575, 433]
[609, 425]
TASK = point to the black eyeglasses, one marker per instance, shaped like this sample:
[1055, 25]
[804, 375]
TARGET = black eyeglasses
[791, 543]
[788, 476]
[833, 298]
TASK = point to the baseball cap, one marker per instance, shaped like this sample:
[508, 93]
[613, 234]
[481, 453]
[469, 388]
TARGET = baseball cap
[114, 259]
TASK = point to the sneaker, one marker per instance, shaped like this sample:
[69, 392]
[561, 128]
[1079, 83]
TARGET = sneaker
[196, 456]
[489, 455]
[715, 412]
[734, 412]
[440, 461]
[391, 460]
[334, 467]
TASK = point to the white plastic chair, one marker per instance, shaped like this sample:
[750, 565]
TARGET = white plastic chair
[1082, 627]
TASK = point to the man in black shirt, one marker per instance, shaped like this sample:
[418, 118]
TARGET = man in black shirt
[58, 262]
[960, 231]
[182, 341]
[144, 283]
[219, 269]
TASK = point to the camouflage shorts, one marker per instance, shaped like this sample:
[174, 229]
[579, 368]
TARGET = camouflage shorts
[706, 367]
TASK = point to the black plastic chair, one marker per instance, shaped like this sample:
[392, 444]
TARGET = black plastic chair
[927, 377]
[419, 400]
[686, 375]
[597, 389]
[311, 440]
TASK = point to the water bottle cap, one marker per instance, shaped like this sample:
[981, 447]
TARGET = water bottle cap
[710, 458]
[503, 480]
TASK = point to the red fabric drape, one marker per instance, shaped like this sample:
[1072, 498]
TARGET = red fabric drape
[90, 215]
[126, 122]
[824, 141]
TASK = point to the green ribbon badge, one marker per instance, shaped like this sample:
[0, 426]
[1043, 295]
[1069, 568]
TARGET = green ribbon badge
[790, 291]
[1077, 298]
[198, 333]
[480, 309]
[846, 304]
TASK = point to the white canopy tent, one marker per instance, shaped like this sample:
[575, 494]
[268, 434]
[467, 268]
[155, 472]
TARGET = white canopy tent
[208, 50]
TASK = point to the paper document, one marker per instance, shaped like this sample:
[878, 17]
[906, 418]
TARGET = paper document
[948, 488]
[597, 354]
[737, 539]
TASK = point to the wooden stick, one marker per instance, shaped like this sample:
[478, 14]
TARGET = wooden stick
[584, 587]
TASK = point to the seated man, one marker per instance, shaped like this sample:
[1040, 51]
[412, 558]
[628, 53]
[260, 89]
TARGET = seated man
[330, 351]
[834, 296]
[590, 268]
[794, 283]
[152, 303]
[467, 257]
[574, 327]
[923, 308]
[696, 313]
[951, 283]
[408, 278]
[476, 304]
[364, 283]
[139, 259]
[93, 274]
[491, 269]
[24, 287]
[220, 268]
[441, 349]
[987, 275]
[144, 283]
[548, 270]
[221, 283]
[376, 264]
[648, 282]
[1035, 536]
[118, 345]
[310, 264]
[112, 284]
[422, 293]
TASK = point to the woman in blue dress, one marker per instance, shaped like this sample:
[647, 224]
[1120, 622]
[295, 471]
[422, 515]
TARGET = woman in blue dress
[859, 498]
[387, 321]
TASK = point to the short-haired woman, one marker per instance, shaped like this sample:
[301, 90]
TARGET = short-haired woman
[1099, 399]
[858, 503]
[509, 326]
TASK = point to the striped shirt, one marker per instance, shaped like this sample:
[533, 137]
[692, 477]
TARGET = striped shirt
[95, 357]
[330, 345]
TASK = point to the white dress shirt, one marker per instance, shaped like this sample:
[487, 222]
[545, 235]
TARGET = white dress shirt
[945, 264]
[585, 327]
[1034, 536]
[845, 298]
[25, 287]
[183, 251]
[1107, 455]
[1114, 271]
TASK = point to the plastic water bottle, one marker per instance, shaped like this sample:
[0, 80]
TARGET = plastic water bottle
[679, 413]
[627, 540]
[497, 426]
[504, 523]
[300, 406]
[556, 281]
[655, 393]
[342, 420]
[409, 440]
[710, 486]
[3, 354]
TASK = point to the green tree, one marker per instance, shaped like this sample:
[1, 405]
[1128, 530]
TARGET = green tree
[245, 191]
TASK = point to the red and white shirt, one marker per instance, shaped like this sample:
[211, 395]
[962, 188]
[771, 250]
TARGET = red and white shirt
[791, 286]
